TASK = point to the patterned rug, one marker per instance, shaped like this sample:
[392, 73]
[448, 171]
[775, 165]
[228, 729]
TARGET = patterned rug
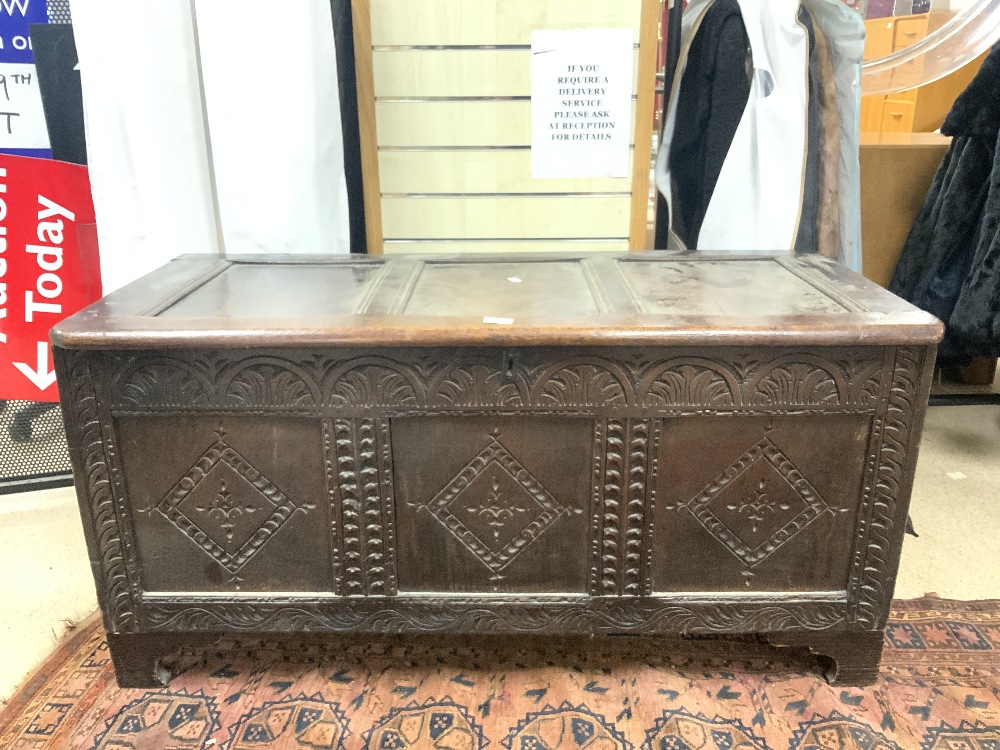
[940, 689]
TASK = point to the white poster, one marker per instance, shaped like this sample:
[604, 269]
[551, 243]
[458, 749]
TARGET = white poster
[581, 102]
[22, 120]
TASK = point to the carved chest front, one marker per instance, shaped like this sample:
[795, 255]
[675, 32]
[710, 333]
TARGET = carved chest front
[545, 444]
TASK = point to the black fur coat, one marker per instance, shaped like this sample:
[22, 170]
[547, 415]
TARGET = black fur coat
[950, 264]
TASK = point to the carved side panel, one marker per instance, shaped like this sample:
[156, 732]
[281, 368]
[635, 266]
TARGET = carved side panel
[362, 510]
[625, 482]
[94, 486]
[887, 487]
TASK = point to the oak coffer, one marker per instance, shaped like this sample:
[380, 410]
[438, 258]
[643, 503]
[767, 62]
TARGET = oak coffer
[558, 444]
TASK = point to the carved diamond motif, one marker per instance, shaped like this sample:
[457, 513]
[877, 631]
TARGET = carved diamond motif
[226, 506]
[495, 507]
[757, 504]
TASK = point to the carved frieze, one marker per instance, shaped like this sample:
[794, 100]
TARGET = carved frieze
[717, 380]
[495, 615]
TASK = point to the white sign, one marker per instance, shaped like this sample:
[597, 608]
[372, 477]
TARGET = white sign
[581, 102]
[22, 120]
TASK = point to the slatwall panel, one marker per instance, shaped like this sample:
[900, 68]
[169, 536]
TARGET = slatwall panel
[448, 169]
[405, 73]
[476, 171]
[451, 123]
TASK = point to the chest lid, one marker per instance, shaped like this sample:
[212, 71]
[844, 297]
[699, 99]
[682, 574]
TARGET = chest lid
[645, 299]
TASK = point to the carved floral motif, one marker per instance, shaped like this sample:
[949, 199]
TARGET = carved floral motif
[495, 507]
[227, 507]
[757, 504]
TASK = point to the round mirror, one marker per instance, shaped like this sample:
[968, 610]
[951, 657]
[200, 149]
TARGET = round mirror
[914, 43]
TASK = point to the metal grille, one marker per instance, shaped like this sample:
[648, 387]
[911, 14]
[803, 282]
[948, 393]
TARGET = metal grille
[33, 452]
[58, 11]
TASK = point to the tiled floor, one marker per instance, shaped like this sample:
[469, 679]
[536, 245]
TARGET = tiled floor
[46, 582]
[955, 507]
[956, 510]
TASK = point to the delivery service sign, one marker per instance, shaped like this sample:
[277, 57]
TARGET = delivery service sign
[49, 267]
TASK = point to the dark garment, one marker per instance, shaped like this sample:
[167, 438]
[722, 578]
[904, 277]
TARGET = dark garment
[713, 95]
[343, 33]
[829, 147]
[62, 94]
[806, 240]
[976, 111]
[950, 265]
[976, 318]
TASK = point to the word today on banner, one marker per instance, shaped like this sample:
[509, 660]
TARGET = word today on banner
[49, 267]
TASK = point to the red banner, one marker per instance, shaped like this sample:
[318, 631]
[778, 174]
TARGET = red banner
[49, 267]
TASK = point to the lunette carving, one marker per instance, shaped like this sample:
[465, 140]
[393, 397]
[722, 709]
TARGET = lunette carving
[749, 377]
[805, 381]
[431, 381]
[694, 381]
[372, 381]
[478, 382]
[583, 381]
[268, 381]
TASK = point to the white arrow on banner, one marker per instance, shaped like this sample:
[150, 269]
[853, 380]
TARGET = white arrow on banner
[41, 376]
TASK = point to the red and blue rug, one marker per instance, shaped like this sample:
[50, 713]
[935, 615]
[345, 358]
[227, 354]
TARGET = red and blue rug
[939, 690]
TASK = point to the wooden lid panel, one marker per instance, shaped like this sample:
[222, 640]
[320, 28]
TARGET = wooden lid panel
[649, 299]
